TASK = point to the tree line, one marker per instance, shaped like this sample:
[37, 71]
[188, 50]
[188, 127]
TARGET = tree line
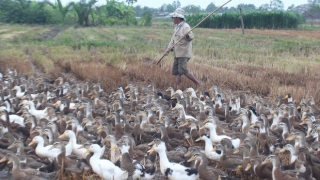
[86, 12]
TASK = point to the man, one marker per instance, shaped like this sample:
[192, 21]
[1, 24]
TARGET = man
[183, 49]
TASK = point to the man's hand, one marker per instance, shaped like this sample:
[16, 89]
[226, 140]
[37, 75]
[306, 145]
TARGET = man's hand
[166, 52]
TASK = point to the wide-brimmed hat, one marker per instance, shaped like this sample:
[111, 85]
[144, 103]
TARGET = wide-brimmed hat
[179, 12]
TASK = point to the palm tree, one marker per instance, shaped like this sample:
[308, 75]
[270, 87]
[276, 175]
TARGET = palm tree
[84, 10]
[62, 10]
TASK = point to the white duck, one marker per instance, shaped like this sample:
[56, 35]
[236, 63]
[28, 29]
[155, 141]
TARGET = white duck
[13, 118]
[39, 114]
[208, 148]
[215, 138]
[173, 171]
[182, 112]
[103, 167]
[72, 146]
[43, 151]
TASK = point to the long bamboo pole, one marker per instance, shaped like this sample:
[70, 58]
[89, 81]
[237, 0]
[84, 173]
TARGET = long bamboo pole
[194, 28]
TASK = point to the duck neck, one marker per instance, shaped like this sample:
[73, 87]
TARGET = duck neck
[163, 158]
[113, 152]
[285, 131]
[96, 155]
[72, 139]
[15, 164]
[293, 154]
[275, 165]
[201, 106]
[254, 150]
[160, 113]
[254, 118]
[182, 113]
[208, 145]
[164, 134]
[20, 150]
[203, 164]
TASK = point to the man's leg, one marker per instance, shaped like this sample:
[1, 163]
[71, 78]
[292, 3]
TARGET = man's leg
[178, 81]
[193, 79]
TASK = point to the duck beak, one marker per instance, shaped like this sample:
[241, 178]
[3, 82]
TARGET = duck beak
[191, 159]
[283, 150]
[188, 154]
[150, 151]
[265, 161]
[69, 122]
[248, 167]
[31, 143]
[151, 143]
[3, 159]
[203, 127]
[197, 140]
[302, 123]
[253, 125]
[205, 121]
[214, 149]
[292, 137]
[113, 147]
[10, 147]
[236, 151]
[173, 109]
[87, 151]
[100, 128]
[62, 136]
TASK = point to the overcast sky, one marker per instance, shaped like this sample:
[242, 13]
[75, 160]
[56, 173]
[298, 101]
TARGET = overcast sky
[202, 3]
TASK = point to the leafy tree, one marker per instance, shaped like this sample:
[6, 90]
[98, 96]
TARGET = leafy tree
[247, 7]
[146, 19]
[276, 5]
[63, 10]
[264, 7]
[84, 10]
[130, 2]
[211, 7]
[170, 8]
[313, 12]
[192, 9]
[290, 8]
[176, 4]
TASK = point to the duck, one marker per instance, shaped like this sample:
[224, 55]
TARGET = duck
[205, 172]
[65, 162]
[134, 168]
[26, 174]
[215, 138]
[172, 142]
[315, 167]
[182, 112]
[231, 163]
[43, 151]
[172, 171]
[72, 146]
[263, 171]
[104, 168]
[30, 161]
[277, 173]
[208, 148]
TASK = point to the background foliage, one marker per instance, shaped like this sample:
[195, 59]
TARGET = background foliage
[114, 12]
